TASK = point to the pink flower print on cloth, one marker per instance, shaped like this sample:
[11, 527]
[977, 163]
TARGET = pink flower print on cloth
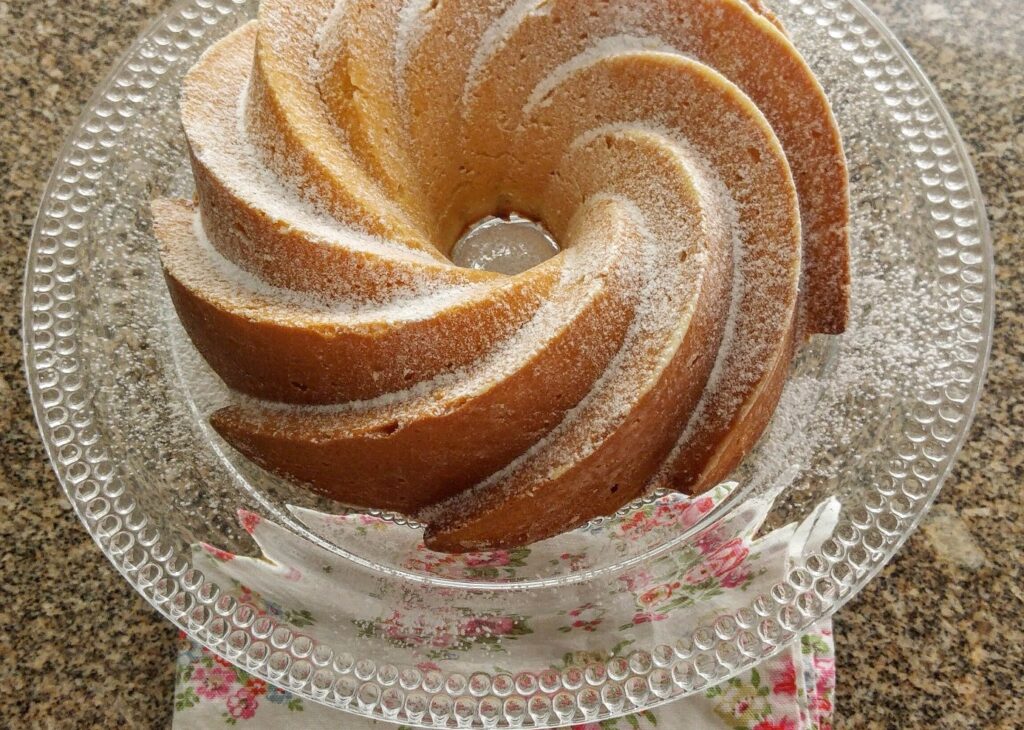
[721, 564]
[285, 583]
[213, 683]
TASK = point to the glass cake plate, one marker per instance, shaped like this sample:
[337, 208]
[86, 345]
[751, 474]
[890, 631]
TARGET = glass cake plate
[665, 598]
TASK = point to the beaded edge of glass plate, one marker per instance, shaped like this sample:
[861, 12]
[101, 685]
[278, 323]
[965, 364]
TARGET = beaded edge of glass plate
[862, 543]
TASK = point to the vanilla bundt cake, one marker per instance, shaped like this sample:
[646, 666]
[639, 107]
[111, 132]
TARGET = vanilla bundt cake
[680, 152]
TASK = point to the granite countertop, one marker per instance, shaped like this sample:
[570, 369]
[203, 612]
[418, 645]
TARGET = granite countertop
[79, 648]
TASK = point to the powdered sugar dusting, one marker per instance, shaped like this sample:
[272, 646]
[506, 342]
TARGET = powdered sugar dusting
[238, 160]
[604, 48]
[414, 20]
[497, 36]
[206, 270]
[328, 38]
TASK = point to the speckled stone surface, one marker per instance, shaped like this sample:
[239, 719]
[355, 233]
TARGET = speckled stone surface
[79, 649]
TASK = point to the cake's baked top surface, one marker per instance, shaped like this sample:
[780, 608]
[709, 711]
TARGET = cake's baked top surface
[681, 153]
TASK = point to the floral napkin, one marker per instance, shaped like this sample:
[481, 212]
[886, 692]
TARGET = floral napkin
[791, 691]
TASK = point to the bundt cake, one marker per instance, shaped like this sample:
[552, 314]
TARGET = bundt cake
[680, 152]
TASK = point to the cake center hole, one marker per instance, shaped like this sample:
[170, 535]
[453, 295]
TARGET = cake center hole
[504, 245]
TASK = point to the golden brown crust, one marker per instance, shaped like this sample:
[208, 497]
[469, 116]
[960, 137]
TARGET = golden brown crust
[635, 85]
[762, 9]
[708, 461]
[518, 514]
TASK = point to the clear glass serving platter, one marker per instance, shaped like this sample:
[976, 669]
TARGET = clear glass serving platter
[659, 601]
